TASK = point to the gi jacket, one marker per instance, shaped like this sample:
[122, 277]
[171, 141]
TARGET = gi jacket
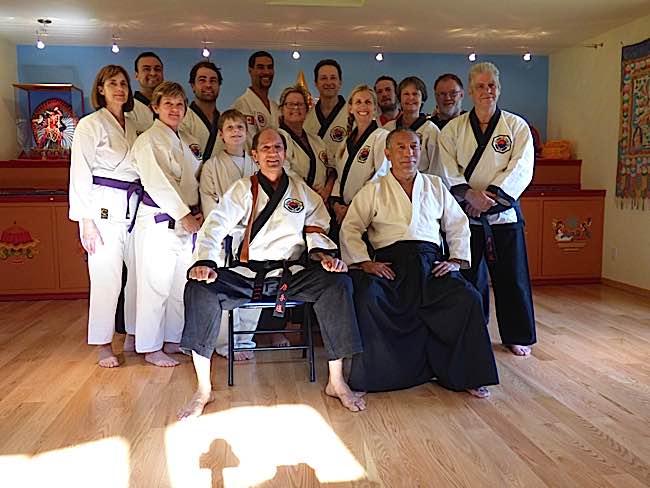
[101, 147]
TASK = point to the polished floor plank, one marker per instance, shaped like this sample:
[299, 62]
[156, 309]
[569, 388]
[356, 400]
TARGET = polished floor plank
[574, 414]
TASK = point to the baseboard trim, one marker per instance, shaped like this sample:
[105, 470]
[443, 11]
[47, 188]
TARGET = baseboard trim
[625, 287]
[43, 296]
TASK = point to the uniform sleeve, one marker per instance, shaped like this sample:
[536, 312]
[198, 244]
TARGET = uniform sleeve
[455, 225]
[82, 160]
[208, 187]
[452, 172]
[317, 223]
[231, 209]
[355, 223]
[152, 164]
[519, 173]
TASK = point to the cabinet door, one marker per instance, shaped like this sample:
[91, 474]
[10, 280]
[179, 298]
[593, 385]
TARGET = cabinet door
[73, 263]
[27, 248]
[532, 211]
[572, 238]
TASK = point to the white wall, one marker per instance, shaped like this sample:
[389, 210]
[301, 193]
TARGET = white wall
[8, 75]
[583, 107]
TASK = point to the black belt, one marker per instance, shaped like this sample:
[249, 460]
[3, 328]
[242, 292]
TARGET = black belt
[261, 269]
[490, 247]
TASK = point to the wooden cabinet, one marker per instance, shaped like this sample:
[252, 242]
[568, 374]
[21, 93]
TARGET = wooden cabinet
[564, 235]
[40, 252]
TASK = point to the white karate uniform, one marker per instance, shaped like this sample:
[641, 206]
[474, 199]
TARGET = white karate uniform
[507, 162]
[429, 156]
[298, 160]
[217, 176]
[385, 210]
[333, 128]
[196, 127]
[141, 115]
[369, 161]
[168, 169]
[258, 117]
[102, 148]
[281, 238]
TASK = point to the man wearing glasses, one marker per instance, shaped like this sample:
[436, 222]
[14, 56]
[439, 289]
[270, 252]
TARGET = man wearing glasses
[449, 93]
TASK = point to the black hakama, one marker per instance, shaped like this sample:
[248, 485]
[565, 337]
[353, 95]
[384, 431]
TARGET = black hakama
[418, 327]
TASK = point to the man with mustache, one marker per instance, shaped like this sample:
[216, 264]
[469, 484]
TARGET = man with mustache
[449, 93]
[281, 219]
[260, 111]
[202, 115]
[386, 89]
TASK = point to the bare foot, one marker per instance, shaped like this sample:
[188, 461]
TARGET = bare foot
[518, 350]
[244, 355]
[352, 400]
[161, 359]
[172, 348]
[480, 392]
[129, 343]
[105, 357]
[279, 340]
[195, 406]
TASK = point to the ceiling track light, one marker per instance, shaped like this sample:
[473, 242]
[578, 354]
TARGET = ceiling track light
[205, 52]
[115, 48]
[472, 56]
[527, 56]
[379, 56]
[296, 53]
[41, 32]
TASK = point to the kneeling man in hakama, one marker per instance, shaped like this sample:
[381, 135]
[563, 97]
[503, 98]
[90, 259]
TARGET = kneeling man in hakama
[419, 318]
[280, 218]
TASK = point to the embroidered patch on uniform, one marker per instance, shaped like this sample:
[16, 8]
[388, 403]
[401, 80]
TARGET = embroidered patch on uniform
[104, 213]
[250, 120]
[294, 205]
[196, 150]
[337, 133]
[261, 120]
[323, 157]
[502, 143]
[363, 154]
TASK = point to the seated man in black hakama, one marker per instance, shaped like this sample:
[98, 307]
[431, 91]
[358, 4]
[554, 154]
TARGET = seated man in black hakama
[419, 318]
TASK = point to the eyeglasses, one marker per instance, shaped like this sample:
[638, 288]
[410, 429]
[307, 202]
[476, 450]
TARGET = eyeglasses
[450, 94]
[295, 105]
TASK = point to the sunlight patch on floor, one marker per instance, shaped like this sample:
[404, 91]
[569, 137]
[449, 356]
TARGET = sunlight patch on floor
[244, 447]
[103, 463]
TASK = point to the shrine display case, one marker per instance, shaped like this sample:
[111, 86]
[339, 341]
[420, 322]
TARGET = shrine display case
[40, 252]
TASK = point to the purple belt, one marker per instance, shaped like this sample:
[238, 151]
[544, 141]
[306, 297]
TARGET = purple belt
[163, 217]
[130, 187]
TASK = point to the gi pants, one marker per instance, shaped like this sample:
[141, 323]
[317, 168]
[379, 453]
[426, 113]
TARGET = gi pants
[105, 271]
[331, 294]
[513, 297]
[162, 258]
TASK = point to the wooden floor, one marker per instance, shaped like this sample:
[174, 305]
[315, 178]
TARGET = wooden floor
[576, 413]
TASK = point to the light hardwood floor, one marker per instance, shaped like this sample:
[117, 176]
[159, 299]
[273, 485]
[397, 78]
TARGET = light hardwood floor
[576, 413]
